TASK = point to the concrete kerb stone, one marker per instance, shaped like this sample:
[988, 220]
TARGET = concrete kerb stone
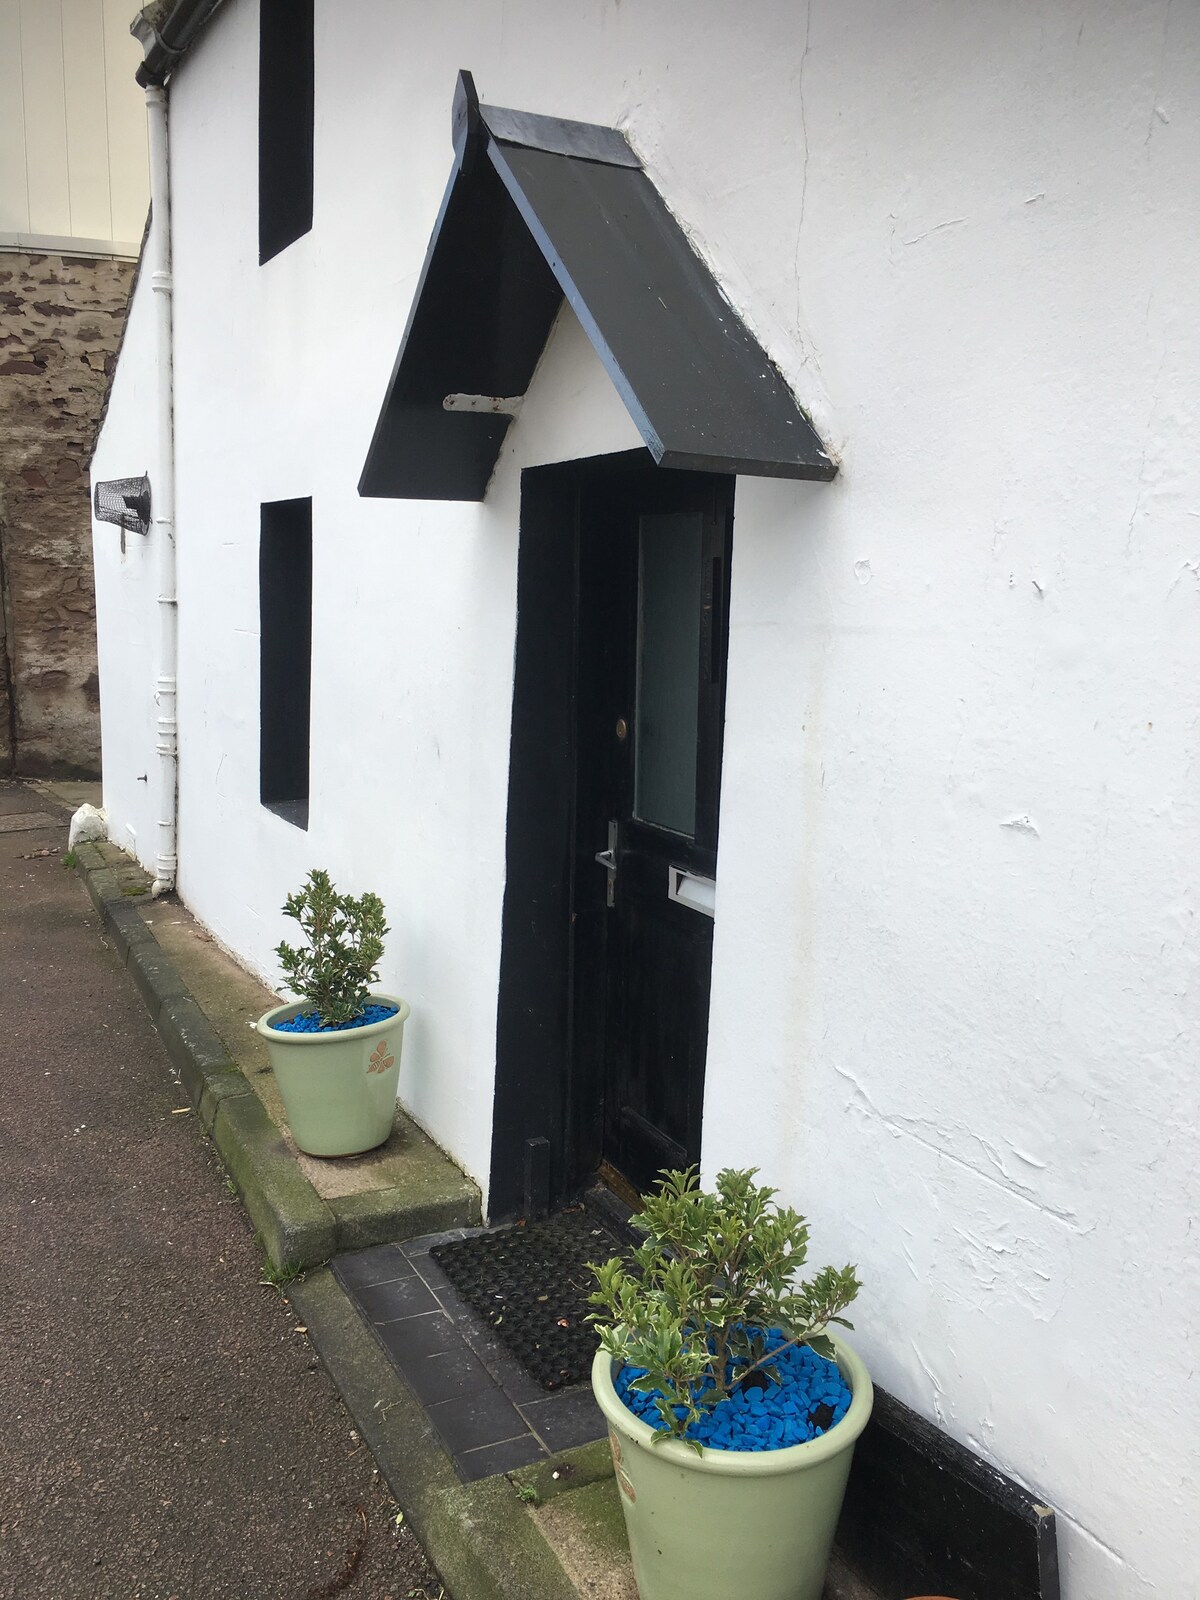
[102, 885]
[295, 1225]
[125, 926]
[155, 976]
[479, 1536]
[205, 1068]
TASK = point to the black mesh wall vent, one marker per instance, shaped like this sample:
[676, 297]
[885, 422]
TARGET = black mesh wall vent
[125, 501]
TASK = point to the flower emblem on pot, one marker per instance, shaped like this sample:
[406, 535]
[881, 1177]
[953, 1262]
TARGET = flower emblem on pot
[614, 1444]
[381, 1058]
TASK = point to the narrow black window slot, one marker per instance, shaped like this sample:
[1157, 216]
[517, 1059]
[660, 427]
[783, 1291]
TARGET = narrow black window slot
[285, 656]
[285, 123]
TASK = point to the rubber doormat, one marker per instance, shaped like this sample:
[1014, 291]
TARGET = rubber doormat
[531, 1285]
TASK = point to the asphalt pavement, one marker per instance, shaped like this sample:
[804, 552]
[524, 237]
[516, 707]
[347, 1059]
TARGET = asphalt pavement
[166, 1430]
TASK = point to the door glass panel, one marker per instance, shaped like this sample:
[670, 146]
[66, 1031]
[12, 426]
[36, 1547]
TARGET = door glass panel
[669, 566]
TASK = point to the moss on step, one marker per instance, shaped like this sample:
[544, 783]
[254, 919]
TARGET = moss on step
[586, 1530]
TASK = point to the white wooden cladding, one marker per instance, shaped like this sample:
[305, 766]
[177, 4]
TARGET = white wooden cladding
[73, 161]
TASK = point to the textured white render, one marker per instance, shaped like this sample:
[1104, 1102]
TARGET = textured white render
[954, 998]
[127, 592]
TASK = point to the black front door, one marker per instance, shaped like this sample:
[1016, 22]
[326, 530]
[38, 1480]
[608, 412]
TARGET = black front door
[653, 571]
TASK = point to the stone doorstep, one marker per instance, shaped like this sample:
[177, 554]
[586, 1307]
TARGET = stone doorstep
[411, 1189]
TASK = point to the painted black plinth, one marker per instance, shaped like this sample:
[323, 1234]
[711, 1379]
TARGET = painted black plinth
[924, 1515]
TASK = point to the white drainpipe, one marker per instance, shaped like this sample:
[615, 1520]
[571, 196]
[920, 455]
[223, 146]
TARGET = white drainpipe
[158, 247]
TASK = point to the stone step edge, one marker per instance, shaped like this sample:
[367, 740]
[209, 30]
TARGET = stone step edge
[298, 1229]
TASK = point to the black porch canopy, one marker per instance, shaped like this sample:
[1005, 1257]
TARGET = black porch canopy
[538, 209]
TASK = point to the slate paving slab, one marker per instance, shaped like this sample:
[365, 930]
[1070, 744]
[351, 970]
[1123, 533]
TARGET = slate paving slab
[490, 1414]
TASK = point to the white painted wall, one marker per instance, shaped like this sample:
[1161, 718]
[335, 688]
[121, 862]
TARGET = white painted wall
[963, 1041]
[126, 593]
[73, 164]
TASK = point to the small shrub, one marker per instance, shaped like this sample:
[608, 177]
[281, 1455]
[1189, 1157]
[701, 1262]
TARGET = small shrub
[345, 944]
[713, 1278]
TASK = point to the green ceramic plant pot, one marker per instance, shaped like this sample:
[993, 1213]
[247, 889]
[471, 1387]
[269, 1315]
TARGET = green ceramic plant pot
[339, 1089]
[731, 1522]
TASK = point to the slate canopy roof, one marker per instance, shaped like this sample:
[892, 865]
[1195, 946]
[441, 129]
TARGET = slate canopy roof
[537, 210]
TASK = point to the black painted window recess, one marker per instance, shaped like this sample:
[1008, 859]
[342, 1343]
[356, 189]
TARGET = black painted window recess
[285, 657]
[285, 123]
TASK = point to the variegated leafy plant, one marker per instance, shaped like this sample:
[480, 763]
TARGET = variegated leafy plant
[714, 1276]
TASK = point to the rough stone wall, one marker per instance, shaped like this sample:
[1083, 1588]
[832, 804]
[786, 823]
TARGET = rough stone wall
[60, 326]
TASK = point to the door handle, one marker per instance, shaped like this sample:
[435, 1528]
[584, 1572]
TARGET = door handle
[608, 860]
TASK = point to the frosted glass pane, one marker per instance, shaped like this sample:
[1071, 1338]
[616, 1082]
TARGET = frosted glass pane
[668, 670]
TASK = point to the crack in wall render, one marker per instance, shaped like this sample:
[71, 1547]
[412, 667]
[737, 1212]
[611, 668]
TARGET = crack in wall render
[901, 1126]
